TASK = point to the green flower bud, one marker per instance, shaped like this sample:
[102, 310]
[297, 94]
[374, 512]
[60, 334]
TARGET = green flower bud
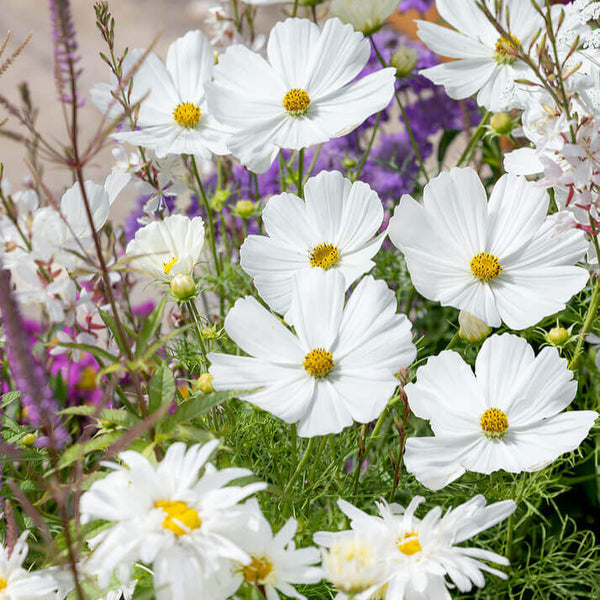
[183, 287]
[209, 333]
[501, 123]
[217, 202]
[204, 383]
[349, 162]
[245, 208]
[558, 336]
[29, 439]
[472, 329]
[404, 60]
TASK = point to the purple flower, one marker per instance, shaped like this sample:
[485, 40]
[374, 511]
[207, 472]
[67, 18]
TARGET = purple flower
[420, 5]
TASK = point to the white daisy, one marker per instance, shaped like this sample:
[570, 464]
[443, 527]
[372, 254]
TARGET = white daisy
[487, 62]
[16, 583]
[173, 117]
[339, 366]
[170, 517]
[305, 94]
[366, 17]
[275, 561]
[499, 261]
[419, 553]
[333, 228]
[168, 248]
[507, 416]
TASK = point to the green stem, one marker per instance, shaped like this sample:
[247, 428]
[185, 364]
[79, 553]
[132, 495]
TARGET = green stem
[587, 324]
[363, 160]
[300, 183]
[193, 312]
[466, 155]
[453, 341]
[295, 9]
[297, 472]
[413, 141]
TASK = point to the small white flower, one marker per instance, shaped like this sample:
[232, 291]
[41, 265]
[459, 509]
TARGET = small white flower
[417, 554]
[170, 517]
[486, 63]
[18, 584]
[169, 247]
[305, 94]
[499, 261]
[507, 416]
[340, 364]
[333, 229]
[366, 17]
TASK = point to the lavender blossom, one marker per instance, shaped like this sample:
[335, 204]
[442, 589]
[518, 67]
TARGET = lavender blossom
[37, 398]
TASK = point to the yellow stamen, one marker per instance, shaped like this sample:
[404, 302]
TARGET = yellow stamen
[3, 584]
[324, 256]
[167, 266]
[409, 543]
[296, 102]
[187, 114]
[87, 379]
[258, 570]
[319, 362]
[485, 266]
[506, 50]
[494, 422]
[180, 518]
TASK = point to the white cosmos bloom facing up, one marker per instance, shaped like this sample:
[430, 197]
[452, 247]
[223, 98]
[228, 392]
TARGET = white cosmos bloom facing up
[16, 583]
[333, 228]
[339, 366]
[366, 17]
[487, 64]
[170, 517]
[173, 116]
[499, 261]
[507, 416]
[167, 248]
[304, 94]
[275, 563]
[417, 554]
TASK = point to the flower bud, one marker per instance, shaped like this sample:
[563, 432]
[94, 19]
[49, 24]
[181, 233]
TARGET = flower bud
[557, 336]
[366, 17]
[209, 333]
[349, 162]
[404, 60]
[29, 439]
[245, 208]
[501, 123]
[217, 202]
[183, 286]
[204, 383]
[472, 329]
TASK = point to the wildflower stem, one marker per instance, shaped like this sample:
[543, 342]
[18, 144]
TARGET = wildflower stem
[296, 474]
[301, 173]
[295, 9]
[465, 157]
[409, 130]
[363, 160]
[587, 324]
[453, 341]
[365, 453]
[190, 306]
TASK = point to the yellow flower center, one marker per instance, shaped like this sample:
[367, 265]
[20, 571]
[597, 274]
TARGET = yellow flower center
[167, 266]
[87, 379]
[258, 570]
[409, 543]
[485, 266]
[506, 50]
[180, 518]
[324, 256]
[3, 584]
[187, 114]
[494, 422]
[319, 362]
[296, 102]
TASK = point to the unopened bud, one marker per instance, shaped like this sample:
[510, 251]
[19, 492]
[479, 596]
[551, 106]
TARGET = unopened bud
[501, 123]
[209, 333]
[29, 439]
[557, 336]
[245, 208]
[217, 202]
[404, 60]
[349, 162]
[472, 329]
[183, 286]
[204, 383]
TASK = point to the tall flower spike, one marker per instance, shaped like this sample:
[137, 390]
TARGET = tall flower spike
[41, 406]
[65, 48]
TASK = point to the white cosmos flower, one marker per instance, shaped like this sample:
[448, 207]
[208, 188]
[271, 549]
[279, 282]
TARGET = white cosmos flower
[419, 553]
[167, 248]
[499, 261]
[16, 583]
[173, 117]
[366, 17]
[486, 61]
[507, 416]
[304, 94]
[339, 365]
[170, 517]
[275, 561]
[333, 228]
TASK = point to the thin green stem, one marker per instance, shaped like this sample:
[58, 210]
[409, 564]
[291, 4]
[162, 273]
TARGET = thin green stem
[365, 157]
[465, 157]
[295, 9]
[300, 183]
[313, 161]
[587, 324]
[296, 474]
[190, 306]
[453, 341]
[411, 135]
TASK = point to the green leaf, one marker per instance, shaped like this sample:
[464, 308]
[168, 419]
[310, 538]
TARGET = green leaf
[95, 352]
[196, 406]
[162, 388]
[150, 327]
[79, 451]
[9, 398]
[113, 415]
